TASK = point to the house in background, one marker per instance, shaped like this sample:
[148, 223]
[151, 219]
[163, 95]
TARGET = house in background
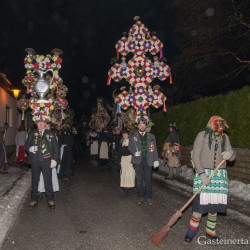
[10, 114]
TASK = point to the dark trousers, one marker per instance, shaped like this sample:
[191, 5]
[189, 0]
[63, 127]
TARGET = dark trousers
[3, 165]
[144, 174]
[36, 169]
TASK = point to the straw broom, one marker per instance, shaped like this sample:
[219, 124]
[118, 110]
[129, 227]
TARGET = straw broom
[162, 233]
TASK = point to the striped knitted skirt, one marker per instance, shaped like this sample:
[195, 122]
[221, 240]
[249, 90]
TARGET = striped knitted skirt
[213, 197]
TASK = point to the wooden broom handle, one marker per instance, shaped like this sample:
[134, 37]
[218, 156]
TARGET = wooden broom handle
[191, 199]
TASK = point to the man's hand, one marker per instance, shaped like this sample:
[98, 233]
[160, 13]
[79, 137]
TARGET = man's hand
[53, 164]
[33, 149]
[156, 164]
[205, 179]
[137, 153]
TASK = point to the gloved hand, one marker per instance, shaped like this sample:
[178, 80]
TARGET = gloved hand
[53, 164]
[137, 153]
[205, 179]
[156, 164]
[226, 155]
[33, 149]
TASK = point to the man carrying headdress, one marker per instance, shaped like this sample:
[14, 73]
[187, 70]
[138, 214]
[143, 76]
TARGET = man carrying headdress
[43, 149]
[142, 146]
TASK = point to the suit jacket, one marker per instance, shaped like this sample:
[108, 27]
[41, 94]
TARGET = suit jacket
[135, 145]
[51, 141]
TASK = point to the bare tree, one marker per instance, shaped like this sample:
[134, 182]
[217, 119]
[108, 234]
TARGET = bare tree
[213, 38]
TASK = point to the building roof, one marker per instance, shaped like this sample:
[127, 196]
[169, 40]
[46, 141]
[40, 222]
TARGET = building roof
[5, 83]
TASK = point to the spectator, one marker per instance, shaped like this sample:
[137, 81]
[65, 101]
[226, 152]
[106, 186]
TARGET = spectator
[21, 156]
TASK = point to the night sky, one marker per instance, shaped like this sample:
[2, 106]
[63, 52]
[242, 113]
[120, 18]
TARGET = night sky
[196, 37]
[86, 31]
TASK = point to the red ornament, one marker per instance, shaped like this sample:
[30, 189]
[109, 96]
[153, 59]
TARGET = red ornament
[59, 60]
[36, 66]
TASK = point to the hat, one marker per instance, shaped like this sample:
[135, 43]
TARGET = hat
[172, 125]
[142, 121]
[213, 119]
[21, 128]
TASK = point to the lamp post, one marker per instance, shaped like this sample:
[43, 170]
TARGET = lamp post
[16, 92]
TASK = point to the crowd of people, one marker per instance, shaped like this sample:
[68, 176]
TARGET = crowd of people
[138, 154]
[52, 154]
[135, 153]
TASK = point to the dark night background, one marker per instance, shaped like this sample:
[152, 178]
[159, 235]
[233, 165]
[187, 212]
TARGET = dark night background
[197, 37]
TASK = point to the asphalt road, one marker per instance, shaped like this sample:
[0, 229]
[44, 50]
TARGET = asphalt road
[91, 213]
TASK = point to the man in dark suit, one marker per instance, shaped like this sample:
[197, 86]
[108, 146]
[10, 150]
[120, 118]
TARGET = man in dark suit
[142, 146]
[43, 149]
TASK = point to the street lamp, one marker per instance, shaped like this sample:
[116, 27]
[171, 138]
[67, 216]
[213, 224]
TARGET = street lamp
[16, 92]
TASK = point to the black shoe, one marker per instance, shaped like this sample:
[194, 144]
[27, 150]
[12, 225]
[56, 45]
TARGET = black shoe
[140, 201]
[65, 179]
[40, 196]
[33, 204]
[212, 237]
[188, 239]
[51, 205]
[4, 172]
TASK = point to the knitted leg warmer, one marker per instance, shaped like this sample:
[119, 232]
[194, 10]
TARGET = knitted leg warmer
[211, 224]
[193, 225]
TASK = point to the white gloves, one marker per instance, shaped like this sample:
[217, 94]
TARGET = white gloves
[53, 164]
[226, 155]
[137, 153]
[205, 179]
[33, 149]
[156, 164]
